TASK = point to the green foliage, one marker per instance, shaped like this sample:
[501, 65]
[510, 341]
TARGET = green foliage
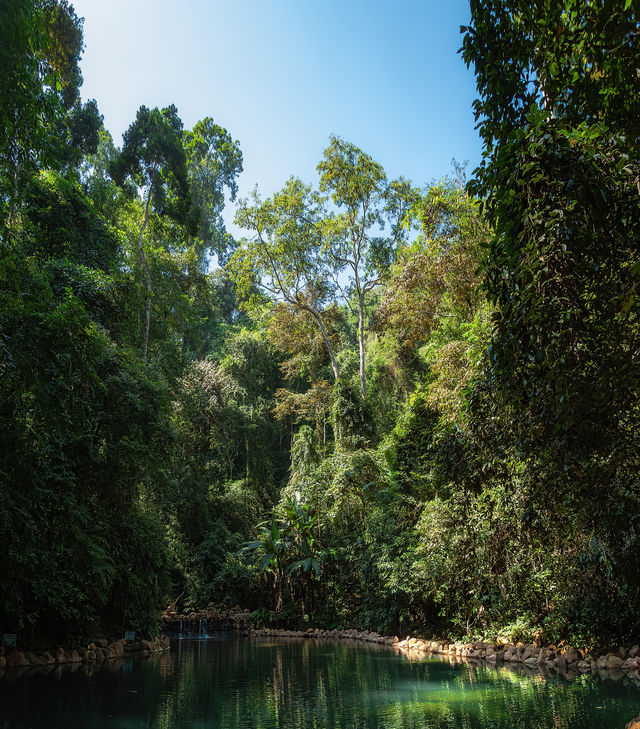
[39, 83]
[214, 161]
[395, 409]
[153, 157]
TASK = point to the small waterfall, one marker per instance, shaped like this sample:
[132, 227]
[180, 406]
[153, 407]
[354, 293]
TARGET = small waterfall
[181, 628]
[199, 627]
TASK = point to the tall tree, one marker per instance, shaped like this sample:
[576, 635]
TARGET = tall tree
[153, 158]
[559, 113]
[40, 77]
[285, 256]
[359, 185]
[438, 274]
[214, 161]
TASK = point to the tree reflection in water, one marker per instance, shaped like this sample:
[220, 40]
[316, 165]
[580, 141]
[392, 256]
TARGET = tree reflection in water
[293, 684]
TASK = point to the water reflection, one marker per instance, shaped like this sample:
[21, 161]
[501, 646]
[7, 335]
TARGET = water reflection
[235, 683]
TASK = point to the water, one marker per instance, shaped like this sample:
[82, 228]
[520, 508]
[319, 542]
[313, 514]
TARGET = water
[233, 683]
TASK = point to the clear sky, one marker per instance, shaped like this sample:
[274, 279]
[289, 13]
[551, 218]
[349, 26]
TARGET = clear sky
[282, 75]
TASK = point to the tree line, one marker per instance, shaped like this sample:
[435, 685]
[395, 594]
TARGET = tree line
[389, 406]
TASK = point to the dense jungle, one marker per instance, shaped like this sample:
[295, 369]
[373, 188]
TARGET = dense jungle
[389, 405]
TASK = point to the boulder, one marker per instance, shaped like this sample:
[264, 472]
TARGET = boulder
[17, 658]
[116, 650]
[61, 656]
[633, 724]
[570, 655]
[75, 657]
[614, 662]
[631, 664]
[633, 652]
[560, 662]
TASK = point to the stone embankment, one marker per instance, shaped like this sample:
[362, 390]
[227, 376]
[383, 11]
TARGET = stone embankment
[95, 652]
[200, 622]
[335, 634]
[562, 658]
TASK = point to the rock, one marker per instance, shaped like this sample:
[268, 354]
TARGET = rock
[622, 653]
[633, 653]
[116, 650]
[145, 645]
[570, 655]
[17, 658]
[61, 656]
[560, 662]
[613, 662]
[633, 724]
[631, 664]
[49, 659]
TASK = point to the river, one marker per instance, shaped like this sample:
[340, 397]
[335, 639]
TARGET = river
[256, 683]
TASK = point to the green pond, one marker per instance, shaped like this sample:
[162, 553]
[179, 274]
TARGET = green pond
[230, 682]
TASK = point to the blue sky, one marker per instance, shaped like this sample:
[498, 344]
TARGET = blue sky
[283, 75]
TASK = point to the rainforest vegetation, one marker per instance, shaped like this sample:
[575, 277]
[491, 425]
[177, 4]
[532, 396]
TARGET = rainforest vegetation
[389, 405]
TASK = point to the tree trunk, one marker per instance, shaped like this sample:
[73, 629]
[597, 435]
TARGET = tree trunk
[278, 593]
[363, 383]
[246, 456]
[327, 342]
[143, 260]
